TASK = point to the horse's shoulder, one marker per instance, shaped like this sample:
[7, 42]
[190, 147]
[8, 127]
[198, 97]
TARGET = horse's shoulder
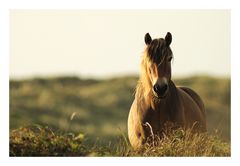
[192, 94]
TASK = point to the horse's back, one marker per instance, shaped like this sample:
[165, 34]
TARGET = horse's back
[194, 107]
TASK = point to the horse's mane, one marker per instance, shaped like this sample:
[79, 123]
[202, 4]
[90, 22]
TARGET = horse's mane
[143, 87]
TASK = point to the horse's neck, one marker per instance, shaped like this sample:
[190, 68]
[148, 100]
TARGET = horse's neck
[173, 103]
[167, 104]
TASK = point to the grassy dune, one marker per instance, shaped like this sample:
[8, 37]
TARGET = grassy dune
[99, 108]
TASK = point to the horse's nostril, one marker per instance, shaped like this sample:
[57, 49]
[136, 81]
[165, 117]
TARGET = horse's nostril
[156, 88]
[160, 90]
[164, 88]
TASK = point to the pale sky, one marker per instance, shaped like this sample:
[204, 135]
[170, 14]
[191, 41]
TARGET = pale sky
[106, 43]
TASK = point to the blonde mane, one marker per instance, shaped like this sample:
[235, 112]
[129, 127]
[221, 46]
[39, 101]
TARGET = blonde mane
[143, 87]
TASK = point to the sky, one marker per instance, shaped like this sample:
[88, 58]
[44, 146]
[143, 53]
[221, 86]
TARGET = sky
[110, 43]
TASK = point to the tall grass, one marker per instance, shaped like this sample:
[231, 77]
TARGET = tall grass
[42, 141]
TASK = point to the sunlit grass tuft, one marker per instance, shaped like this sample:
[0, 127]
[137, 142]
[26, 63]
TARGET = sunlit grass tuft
[185, 143]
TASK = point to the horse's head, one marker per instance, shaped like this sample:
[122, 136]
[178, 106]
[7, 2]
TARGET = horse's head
[159, 63]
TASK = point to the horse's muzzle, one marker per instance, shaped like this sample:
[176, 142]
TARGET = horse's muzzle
[160, 91]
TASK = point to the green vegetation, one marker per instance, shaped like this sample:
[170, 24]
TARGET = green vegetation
[42, 141]
[99, 109]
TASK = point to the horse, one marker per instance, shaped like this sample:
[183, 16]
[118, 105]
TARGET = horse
[158, 100]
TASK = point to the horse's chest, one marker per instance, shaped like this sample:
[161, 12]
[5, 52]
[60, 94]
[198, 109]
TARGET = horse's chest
[155, 118]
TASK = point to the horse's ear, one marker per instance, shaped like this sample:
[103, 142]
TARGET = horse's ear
[168, 38]
[148, 39]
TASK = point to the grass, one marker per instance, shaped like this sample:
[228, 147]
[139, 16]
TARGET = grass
[42, 141]
[185, 143]
[99, 109]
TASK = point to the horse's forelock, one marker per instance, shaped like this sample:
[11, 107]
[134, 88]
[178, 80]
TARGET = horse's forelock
[155, 50]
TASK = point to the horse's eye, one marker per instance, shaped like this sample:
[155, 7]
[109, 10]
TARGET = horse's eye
[170, 58]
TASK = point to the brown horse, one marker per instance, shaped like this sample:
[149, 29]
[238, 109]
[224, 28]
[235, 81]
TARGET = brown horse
[157, 99]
